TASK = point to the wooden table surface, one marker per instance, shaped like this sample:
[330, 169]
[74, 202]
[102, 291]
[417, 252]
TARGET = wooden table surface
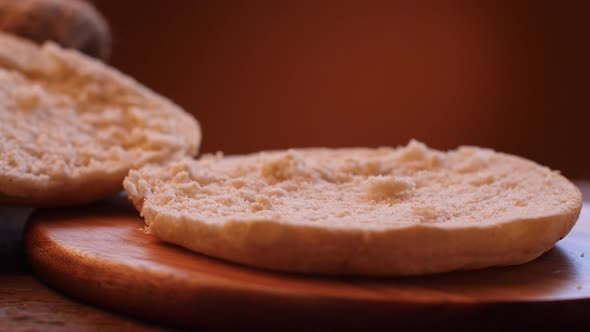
[28, 305]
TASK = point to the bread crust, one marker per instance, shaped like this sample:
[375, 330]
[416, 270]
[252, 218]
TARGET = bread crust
[72, 127]
[375, 249]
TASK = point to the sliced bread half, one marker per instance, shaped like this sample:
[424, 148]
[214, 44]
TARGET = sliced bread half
[359, 211]
[72, 127]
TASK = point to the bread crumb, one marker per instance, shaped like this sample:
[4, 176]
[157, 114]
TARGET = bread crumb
[372, 167]
[225, 200]
[283, 167]
[237, 183]
[274, 192]
[434, 160]
[384, 188]
[482, 179]
[213, 156]
[189, 189]
[426, 213]
[343, 213]
[261, 203]
[26, 98]
[354, 167]
[55, 67]
[470, 165]
[247, 194]
[472, 159]
[413, 151]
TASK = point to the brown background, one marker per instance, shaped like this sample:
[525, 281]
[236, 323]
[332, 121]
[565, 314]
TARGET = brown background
[277, 74]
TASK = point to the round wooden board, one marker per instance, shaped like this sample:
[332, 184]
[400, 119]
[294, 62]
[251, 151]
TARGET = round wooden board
[98, 253]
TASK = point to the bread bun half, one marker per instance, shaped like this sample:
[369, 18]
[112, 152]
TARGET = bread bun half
[72, 127]
[358, 211]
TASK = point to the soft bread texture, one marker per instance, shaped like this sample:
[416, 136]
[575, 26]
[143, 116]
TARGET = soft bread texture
[71, 127]
[405, 211]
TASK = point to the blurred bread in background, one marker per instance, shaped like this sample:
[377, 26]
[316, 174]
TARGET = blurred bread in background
[71, 23]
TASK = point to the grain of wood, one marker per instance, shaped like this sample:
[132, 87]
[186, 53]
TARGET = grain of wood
[27, 305]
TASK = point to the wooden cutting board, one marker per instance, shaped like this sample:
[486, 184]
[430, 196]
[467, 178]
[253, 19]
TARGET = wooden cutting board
[98, 254]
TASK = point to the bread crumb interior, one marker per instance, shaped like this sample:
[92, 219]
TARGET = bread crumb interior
[412, 184]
